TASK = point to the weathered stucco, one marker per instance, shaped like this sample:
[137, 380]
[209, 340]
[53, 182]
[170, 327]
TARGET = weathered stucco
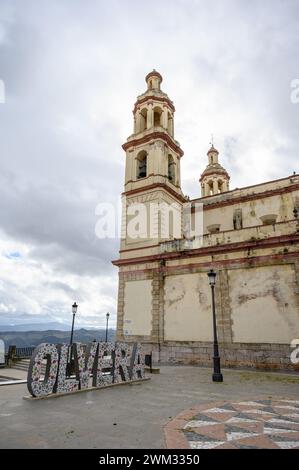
[280, 205]
[138, 308]
[187, 308]
[263, 304]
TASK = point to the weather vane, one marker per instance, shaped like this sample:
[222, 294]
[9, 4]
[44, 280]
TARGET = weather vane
[212, 140]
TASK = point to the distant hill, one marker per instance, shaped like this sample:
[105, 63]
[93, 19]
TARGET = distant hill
[36, 327]
[23, 339]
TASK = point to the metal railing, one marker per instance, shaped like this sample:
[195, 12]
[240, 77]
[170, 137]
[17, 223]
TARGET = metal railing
[15, 353]
[24, 353]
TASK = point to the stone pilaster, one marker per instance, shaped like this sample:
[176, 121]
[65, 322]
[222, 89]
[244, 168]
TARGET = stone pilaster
[120, 308]
[158, 308]
[296, 268]
[224, 320]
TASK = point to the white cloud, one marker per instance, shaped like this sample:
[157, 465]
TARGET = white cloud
[72, 74]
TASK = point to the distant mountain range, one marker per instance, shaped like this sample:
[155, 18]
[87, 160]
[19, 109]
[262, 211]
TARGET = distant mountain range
[23, 339]
[36, 327]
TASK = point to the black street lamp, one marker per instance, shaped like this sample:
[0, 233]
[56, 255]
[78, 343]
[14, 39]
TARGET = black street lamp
[107, 320]
[217, 376]
[74, 310]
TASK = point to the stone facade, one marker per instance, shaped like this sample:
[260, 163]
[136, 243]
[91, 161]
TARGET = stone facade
[250, 237]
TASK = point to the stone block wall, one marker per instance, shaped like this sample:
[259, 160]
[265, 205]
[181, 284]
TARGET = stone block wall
[283, 271]
[253, 356]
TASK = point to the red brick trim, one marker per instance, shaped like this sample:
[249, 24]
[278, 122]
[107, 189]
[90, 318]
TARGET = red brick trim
[248, 197]
[154, 98]
[173, 430]
[154, 186]
[217, 171]
[154, 136]
[254, 261]
[141, 248]
[213, 250]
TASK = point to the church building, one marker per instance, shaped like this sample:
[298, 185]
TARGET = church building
[249, 236]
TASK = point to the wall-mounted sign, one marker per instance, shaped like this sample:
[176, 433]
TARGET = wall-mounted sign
[96, 365]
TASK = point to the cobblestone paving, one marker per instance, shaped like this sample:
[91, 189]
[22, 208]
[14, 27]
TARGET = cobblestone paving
[252, 424]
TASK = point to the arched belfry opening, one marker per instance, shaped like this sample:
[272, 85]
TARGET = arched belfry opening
[157, 116]
[171, 169]
[143, 120]
[141, 164]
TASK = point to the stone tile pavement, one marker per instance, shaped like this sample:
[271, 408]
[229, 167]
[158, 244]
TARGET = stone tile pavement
[243, 424]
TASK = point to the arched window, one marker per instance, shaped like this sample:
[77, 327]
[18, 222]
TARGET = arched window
[143, 120]
[157, 116]
[171, 169]
[210, 184]
[141, 164]
[220, 186]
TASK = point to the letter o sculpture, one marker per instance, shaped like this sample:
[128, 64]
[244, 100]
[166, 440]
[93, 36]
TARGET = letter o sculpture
[37, 387]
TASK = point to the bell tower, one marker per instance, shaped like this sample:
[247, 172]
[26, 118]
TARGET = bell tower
[152, 174]
[152, 153]
[214, 179]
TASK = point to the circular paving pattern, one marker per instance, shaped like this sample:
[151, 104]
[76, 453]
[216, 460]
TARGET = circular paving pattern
[250, 424]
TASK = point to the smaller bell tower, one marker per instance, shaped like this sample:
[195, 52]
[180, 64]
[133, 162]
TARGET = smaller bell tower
[214, 179]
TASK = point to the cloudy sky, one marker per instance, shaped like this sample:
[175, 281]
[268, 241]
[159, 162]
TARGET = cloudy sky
[72, 70]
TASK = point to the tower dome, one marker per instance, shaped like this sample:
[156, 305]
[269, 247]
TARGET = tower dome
[153, 80]
[214, 179]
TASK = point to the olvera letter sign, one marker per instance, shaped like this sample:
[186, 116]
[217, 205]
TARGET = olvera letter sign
[96, 365]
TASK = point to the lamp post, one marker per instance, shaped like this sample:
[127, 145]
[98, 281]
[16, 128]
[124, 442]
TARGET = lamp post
[107, 320]
[74, 310]
[217, 376]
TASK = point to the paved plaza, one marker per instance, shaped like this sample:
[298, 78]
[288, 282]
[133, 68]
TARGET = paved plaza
[145, 415]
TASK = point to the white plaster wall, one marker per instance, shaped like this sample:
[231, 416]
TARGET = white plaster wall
[263, 303]
[187, 308]
[282, 205]
[138, 308]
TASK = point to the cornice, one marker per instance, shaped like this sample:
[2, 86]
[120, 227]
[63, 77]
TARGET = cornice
[154, 136]
[212, 250]
[245, 198]
[216, 171]
[155, 186]
[153, 98]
